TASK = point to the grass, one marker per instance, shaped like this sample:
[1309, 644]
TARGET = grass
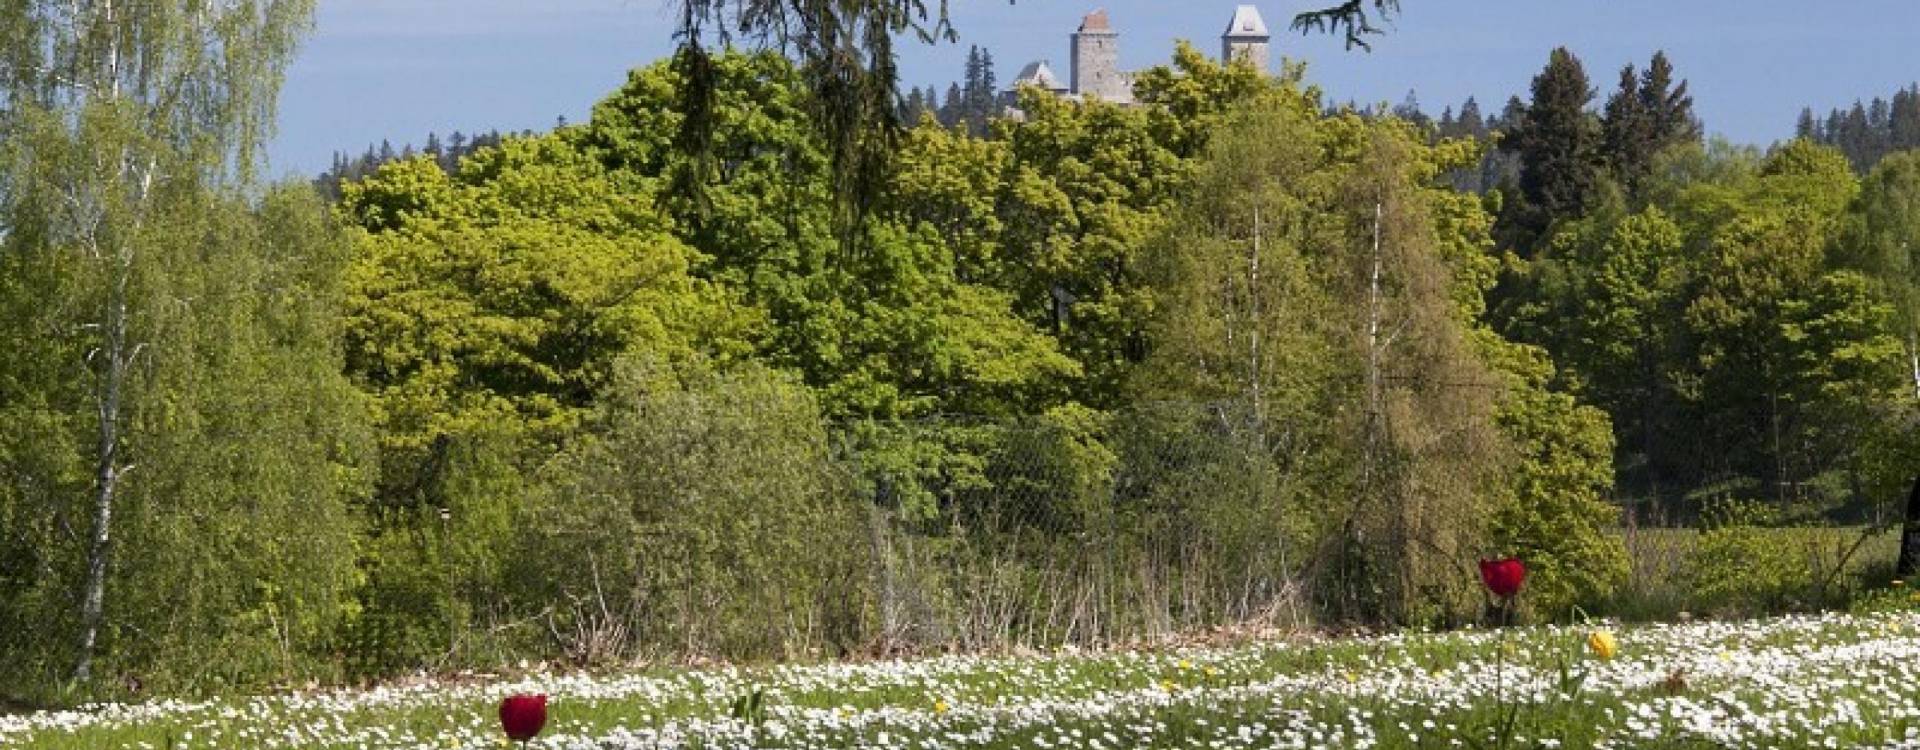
[1784, 682]
[1663, 580]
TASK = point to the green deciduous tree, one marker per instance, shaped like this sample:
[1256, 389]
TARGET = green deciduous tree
[1315, 276]
[131, 133]
[897, 329]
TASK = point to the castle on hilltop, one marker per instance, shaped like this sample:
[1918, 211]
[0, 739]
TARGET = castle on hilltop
[1095, 58]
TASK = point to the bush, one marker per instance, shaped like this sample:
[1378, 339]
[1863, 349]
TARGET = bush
[697, 515]
[1743, 565]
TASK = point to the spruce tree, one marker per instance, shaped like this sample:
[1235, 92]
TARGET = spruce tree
[1628, 129]
[1856, 137]
[988, 84]
[954, 109]
[1559, 144]
[1904, 126]
[970, 81]
[1807, 127]
[1409, 109]
[1669, 104]
[1471, 122]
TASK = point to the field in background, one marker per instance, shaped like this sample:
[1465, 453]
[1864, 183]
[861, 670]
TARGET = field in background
[1751, 570]
[1802, 681]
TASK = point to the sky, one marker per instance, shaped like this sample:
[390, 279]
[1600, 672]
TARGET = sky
[396, 69]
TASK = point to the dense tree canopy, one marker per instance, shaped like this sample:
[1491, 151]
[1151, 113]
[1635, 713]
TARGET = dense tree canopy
[742, 368]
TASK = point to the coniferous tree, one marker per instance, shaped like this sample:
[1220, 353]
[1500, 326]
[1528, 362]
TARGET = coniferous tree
[1471, 123]
[1807, 127]
[1645, 115]
[1409, 109]
[1667, 103]
[970, 81]
[1859, 137]
[1904, 125]
[1628, 130]
[912, 105]
[1558, 143]
[954, 108]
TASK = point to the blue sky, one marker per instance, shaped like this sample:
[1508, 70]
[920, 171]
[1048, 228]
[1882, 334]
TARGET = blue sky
[396, 69]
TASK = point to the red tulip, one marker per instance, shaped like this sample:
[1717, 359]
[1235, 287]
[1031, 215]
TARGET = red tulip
[1503, 576]
[523, 716]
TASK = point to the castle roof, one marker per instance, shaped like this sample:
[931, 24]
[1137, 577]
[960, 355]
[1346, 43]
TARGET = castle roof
[1038, 74]
[1247, 23]
[1096, 22]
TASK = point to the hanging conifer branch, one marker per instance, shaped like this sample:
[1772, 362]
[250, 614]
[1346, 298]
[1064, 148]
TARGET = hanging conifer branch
[1351, 18]
[845, 53]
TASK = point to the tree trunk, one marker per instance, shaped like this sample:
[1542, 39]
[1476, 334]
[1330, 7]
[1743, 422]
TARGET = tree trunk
[1913, 362]
[107, 474]
[1910, 536]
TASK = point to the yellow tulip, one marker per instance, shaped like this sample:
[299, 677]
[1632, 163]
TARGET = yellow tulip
[1602, 644]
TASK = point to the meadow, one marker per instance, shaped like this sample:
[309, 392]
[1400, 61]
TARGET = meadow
[1832, 680]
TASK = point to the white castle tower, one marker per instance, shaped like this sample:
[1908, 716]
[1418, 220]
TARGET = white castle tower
[1096, 69]
[1096, 61]
[1246, 38]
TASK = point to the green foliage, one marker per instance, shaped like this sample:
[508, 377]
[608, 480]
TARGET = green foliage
[1554, 512]
[1740, 568]
[898, 329]
[234, 541]
[1895, 598]
[1093, 374]
[1559, 146]
[1272, 283]
[1746, 308]
[1647, 115]
[696, 513]
[497, 299]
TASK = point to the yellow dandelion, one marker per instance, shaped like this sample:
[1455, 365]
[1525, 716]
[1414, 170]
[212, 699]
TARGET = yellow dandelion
[1602, 644]
[1211, 672]
[1168, 686]
[1186, 664]
[940, 707]
[1352, 678]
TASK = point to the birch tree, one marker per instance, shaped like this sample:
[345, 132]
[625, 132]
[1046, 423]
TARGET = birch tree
[117, 117]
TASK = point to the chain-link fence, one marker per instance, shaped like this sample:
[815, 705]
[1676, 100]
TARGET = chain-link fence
[744, 526]
[1074, 528]
[743, 529]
